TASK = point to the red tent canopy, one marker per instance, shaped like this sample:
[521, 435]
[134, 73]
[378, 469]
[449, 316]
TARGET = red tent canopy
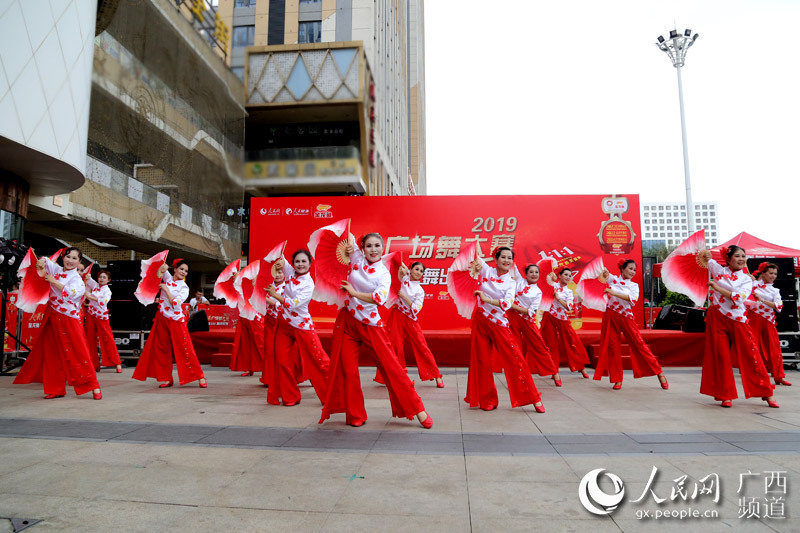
[754, 247]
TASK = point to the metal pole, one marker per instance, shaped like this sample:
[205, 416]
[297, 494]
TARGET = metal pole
[689, 204]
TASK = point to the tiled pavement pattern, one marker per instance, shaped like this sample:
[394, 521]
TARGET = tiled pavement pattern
[186, 459]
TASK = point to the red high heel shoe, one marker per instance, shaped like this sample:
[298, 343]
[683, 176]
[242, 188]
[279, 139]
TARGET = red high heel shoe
[664, 384]
[439, 383]
[204, 384]
[726, 403]
[357, 424]
[165, 385]
[51, 396]
[290, 404]
[119, 371]
[557, 382]
[427, 423]
[539, 408]
[585, 374]
[771, 403]
[247, 374]
[97, 395]
[783, 382]
[617, 386]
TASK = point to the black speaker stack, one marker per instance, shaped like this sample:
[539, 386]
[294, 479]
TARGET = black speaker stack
[681, 317]
[787, 319]
[127, 314]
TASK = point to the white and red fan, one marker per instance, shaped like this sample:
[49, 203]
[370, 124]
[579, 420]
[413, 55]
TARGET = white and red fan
[590, 287]
[546, 266]
[392, 263]
[461, 285]
[87, 272]
[244, 284]
[331, 263]
[148, 288]
[684, 271]
[223, 287]
[265, 279]
[33, 289]
[56, 255]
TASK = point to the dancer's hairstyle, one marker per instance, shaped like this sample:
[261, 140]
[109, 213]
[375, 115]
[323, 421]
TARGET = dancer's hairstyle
[500, 249]
[622, 264]
[104, 271]
[302, 251]
[528, 267]
[364, 238]
[728, 251]
[178, 262]
[563, 269]
[763, 267]
[415, 263]
[70, 249]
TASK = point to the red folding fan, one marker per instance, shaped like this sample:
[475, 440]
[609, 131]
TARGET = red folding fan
[546, 267]
[392, 263]
[33, 289]
[223, 287]
[685, 271]
[592, 287]
[148, 286]
[244, 284]
[461, 285]
[331, 264]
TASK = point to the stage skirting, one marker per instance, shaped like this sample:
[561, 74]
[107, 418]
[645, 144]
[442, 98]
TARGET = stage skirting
[451, 348]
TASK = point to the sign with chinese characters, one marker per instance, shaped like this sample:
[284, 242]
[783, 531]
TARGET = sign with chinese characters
[307, 168]
[433, 229]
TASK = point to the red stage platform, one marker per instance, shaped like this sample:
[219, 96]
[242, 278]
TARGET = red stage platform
[451, 348]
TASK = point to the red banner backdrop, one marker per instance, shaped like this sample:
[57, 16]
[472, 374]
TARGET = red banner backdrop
[432, 229]
[31, 324]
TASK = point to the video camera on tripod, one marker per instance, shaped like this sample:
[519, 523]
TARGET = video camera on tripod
[11, 254]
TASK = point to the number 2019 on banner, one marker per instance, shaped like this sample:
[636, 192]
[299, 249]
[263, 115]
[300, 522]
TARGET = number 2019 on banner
[489, 224]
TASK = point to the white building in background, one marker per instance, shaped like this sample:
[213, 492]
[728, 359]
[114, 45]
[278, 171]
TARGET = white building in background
[667, 222]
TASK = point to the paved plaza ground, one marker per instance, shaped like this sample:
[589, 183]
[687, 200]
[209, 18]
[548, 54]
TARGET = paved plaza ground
[221, 459]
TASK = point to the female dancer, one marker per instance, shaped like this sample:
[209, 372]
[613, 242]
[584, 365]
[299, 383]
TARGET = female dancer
[248, 343]
[523, 325]
[761, 318]
[623, 294]
[97, 327]
[728, 337]
[169, 337]
[557, 331]
[490, 332]
[61, 353]
[403, 323]
[295, 333]
[271, 325]
[357, 323]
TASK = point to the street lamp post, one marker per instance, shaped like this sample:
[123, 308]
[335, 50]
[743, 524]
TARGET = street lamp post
[676, 47]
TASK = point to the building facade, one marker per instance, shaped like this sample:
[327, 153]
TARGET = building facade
[666, 222]
[153, 146]
[334, 91]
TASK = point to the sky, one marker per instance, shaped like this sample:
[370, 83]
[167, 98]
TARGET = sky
[573, 97]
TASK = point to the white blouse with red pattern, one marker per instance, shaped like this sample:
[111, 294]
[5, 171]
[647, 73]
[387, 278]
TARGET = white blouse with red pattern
[415, 293]
[564, 294]
[496, 287]
[371, 278]
[626, 287]
[767, 292]
[275, 310]
[66, 301]
[99, 308]
[740, 285]
[297, 294]
[179, 291]
[528, 296]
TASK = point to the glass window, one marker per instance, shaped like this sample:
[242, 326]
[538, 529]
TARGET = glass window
[310, 1]
[243, 36]
[239, 72]
[245, 3]
[309, 32]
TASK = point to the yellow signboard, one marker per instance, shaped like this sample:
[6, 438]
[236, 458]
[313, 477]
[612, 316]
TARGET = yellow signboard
[302, 168]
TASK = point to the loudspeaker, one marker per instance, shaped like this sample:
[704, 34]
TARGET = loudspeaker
[787, 288]
[125, 315]
[672, 317]
[125, 277]
[695, 321]
[787, 318]
[198, 322]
